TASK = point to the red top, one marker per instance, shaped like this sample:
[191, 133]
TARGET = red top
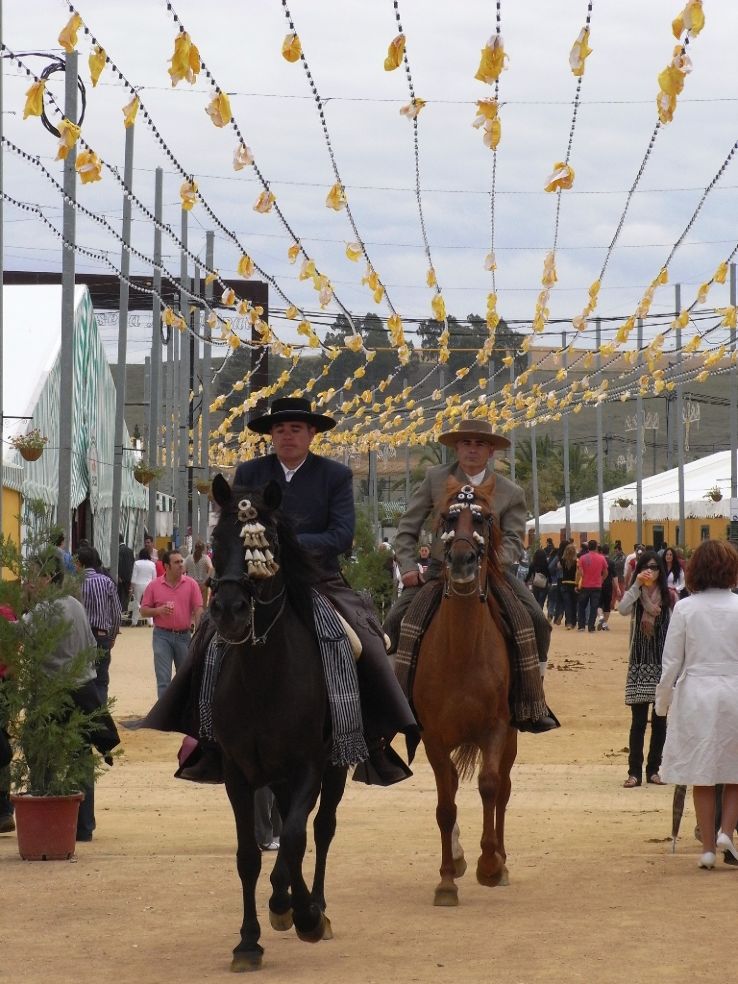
[594, 569]
[185, 595]
[6, 612]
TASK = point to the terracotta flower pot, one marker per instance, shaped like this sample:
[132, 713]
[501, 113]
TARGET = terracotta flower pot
[46, 825]
[31, 454]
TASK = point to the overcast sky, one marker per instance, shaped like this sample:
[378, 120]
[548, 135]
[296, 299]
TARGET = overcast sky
[345, 43]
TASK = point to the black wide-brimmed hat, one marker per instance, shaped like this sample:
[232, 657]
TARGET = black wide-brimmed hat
[291, 408]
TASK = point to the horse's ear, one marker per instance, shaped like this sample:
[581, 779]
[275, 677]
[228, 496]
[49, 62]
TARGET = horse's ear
[272, 496]
[221, 491]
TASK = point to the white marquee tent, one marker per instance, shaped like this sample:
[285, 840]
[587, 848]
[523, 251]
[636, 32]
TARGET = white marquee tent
[31, 370]
[660, 496]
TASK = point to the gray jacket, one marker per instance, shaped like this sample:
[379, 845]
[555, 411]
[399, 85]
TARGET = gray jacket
[508, 504]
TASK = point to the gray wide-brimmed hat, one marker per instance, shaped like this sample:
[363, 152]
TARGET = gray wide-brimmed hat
[474, 430]
[288, 408]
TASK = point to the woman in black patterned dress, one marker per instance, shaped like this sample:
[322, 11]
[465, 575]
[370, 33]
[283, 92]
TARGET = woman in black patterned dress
[650, 601]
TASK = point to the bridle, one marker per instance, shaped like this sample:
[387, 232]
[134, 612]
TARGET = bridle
[478, 542]
[261, 565]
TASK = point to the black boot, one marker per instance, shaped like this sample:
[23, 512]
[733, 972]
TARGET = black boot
[549, 722]
[204, 765]
[384, 767]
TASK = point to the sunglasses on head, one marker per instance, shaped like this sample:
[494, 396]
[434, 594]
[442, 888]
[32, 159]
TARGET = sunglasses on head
[652, 567]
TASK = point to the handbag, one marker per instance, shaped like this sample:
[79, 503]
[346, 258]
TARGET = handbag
[540, 580]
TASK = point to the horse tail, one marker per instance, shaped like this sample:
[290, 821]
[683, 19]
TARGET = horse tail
[465, 759]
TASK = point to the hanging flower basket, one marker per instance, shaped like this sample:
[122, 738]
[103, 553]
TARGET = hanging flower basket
[203, 485]
[144, 474]
[714, 493]
[624, 503]
[31, 445]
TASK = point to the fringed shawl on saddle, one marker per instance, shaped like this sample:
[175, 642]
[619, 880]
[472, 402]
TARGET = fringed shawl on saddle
[342, 684]
[527, 702]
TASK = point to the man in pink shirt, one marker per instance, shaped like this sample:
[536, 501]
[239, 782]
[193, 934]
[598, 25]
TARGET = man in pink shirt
[591, 572]
[174, 601]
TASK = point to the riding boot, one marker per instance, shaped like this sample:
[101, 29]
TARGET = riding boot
[203, 765]
[549, 722]
[384, 767]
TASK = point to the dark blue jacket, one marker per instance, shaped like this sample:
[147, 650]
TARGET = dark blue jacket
[319, 502]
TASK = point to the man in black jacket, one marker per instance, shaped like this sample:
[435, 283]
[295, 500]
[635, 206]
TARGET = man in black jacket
[125, 573]
[318, 499]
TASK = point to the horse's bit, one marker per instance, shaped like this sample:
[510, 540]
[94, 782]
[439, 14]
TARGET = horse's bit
[478, 543]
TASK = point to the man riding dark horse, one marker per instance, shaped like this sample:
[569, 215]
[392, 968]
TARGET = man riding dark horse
[317, 499]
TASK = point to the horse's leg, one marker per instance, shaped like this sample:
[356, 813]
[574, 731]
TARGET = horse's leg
[324, 828]
[503, 796]
[304, 790]
[447, 783]
[280, 902]
[491, 868]
[247, 955]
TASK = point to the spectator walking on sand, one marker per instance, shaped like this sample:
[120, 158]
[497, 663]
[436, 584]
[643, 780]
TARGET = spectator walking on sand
[174, 601]
[650, 600]
[699, 682]
[144, 571]
[100, 598]
[199, 567]
[591, 574]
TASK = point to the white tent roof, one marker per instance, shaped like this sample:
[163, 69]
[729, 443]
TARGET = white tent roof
[660, 497]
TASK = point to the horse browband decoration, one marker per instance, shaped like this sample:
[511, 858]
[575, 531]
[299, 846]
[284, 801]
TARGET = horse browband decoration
[260, 562]
[464, 500]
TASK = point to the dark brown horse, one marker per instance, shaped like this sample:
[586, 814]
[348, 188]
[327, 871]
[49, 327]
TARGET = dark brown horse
[270, 711]
[461, 688]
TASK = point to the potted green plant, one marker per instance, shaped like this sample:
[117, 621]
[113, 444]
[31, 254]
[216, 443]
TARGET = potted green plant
[714, 493]
[30, 445]
[50, 732]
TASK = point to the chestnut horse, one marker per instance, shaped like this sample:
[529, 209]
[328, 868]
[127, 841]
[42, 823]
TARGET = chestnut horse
[461, 686]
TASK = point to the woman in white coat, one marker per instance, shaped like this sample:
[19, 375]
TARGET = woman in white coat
[144, 571]
[699, 681]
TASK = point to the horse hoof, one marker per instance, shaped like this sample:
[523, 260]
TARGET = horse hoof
[314, 935]
[491, 879]
[242, 963]
[459, 866]
[281, 921]
[327, 929]
[447, 895]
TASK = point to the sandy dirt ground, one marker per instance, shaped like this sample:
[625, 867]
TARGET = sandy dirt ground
[595, 893]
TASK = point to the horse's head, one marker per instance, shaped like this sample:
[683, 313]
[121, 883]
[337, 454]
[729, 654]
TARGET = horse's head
[245, 552]
[467, 528]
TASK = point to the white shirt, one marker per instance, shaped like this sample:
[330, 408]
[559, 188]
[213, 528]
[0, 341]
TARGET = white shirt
[143, 572]
[289, 472]
[478, 478]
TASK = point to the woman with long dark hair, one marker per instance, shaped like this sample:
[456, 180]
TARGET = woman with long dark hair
[538, 576]
[674, 570]
[649, 600]
[568, 585]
